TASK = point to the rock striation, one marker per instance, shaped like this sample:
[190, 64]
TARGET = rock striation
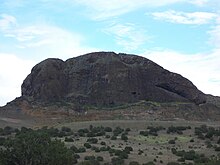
[107, 79]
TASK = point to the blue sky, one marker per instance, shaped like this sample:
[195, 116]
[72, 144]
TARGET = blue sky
[183, 36]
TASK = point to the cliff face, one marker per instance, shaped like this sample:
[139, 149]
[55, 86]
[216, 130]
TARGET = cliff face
[107, 79]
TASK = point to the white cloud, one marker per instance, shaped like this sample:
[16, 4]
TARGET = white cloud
[101, 9]
[129, 36]
[13, 70]
[43, 39]
[202, 69]
[215, 36]
[214, 4]
[6, 21]
[199, 2]
[194, 18]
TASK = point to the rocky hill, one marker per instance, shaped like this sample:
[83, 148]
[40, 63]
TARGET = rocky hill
[107, 79]
[134, 85]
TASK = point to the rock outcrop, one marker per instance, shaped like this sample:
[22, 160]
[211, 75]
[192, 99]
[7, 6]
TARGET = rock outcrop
[107, 79]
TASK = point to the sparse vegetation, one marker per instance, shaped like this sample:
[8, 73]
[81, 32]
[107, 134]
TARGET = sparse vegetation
[108, 145]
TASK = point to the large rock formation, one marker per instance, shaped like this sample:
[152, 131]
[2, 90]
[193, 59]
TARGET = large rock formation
[107, 79]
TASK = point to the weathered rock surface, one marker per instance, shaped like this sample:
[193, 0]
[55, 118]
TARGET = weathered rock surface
[107, 79]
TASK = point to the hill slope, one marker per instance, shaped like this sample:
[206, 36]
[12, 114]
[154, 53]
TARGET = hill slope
[93, 86]
[107, 79]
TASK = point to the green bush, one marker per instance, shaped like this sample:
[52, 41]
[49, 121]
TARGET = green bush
[128, 148]
[144, 133]
[114, 137]
[68, 139]
[217, 149]
[134, 163]
[87, 145]
[149, 163]
[172, 141]
[124, 137]
[117, 161]
[103, 143]
[92, 140]
[173, 163]
[2, 141]
[35, 147]
[74, 149]
[81, 150]
[89, 157]
[100, 158]
[89, 162]
[108, 129]
[65, 129]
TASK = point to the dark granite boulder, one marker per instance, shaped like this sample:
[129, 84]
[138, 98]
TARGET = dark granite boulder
[107, 79]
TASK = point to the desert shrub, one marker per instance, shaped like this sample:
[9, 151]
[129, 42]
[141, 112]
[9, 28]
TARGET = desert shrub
[17, 150]
[103, 143]
[89, 162]
[201, 136]
[190, 155]
[177, 129]
[100, 158]
[92, 140]
[74, 149]
[53, 132]
[121, 154]
[85, 130]
[134, 163]
[7, 131]
[96, 131]
[101, 133]
[209, 134]
[111, 151]
[108, 129]
[174, 151]
[117, 131]
[114, 137]
[81, 150]
[124, 137]
[172, 141]
[89, 157]
[217, 149]
[181, 160]
[68, 139]
[140, 152]
[65, 129]
[117, 161]
[218, 142]
[160, 153]
[87, 145]
[97, 150]
[173, 163]
[129, 148]
[208, 143]
[2, 140]
[153, 130]
[149, 163]
[76, 156]
[144, 133]
[104, 148]
[91, 134]
[127, 130]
